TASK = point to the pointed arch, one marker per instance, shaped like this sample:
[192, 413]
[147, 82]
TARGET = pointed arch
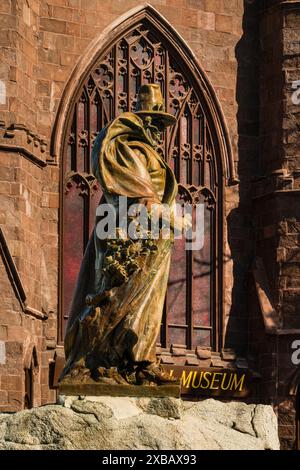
[141, 47]
[102, 44]
[31, 357]
[31, 369]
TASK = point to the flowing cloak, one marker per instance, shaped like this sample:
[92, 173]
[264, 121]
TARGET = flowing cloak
[126, 164]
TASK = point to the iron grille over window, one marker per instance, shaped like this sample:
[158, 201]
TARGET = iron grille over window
[143, 55]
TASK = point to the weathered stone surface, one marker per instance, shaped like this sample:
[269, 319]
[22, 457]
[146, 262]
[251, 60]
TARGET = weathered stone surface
[140, 423]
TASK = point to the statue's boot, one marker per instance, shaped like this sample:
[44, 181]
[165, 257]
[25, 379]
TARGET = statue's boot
[154, 372]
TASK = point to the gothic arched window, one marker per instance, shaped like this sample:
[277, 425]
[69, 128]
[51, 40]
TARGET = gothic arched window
[146, 50]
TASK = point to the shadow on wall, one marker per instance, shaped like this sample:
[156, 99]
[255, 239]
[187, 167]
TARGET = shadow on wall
[240, 219]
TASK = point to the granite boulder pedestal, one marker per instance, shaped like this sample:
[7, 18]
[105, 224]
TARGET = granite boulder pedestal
[127, 423]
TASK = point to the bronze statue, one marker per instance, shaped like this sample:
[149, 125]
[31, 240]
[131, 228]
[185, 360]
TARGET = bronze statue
[117, 307]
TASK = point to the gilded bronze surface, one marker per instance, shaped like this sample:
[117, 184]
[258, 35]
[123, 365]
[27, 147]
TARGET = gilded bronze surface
[117, 307]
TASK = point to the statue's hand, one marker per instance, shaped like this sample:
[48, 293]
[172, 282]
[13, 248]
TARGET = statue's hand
[98, 299]
[181, 224]
[187, 222]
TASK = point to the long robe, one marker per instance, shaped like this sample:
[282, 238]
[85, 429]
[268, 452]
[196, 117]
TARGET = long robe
[126, 163]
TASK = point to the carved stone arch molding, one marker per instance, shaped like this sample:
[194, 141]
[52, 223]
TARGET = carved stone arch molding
[142, 47]
[103, 43]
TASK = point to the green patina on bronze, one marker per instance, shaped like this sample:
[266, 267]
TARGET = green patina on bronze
[117, 307]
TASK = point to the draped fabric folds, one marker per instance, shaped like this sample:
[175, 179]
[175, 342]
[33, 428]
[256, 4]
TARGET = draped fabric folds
[127, 323]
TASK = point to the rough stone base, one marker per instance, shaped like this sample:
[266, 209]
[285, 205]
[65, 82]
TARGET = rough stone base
[140, 423]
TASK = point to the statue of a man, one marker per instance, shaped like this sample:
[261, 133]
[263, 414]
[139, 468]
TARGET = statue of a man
[117, 307]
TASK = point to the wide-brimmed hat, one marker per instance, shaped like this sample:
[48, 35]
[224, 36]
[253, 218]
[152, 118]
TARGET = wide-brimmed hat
[150, 102]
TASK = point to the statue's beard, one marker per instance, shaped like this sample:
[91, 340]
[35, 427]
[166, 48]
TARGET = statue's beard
[153, 132]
